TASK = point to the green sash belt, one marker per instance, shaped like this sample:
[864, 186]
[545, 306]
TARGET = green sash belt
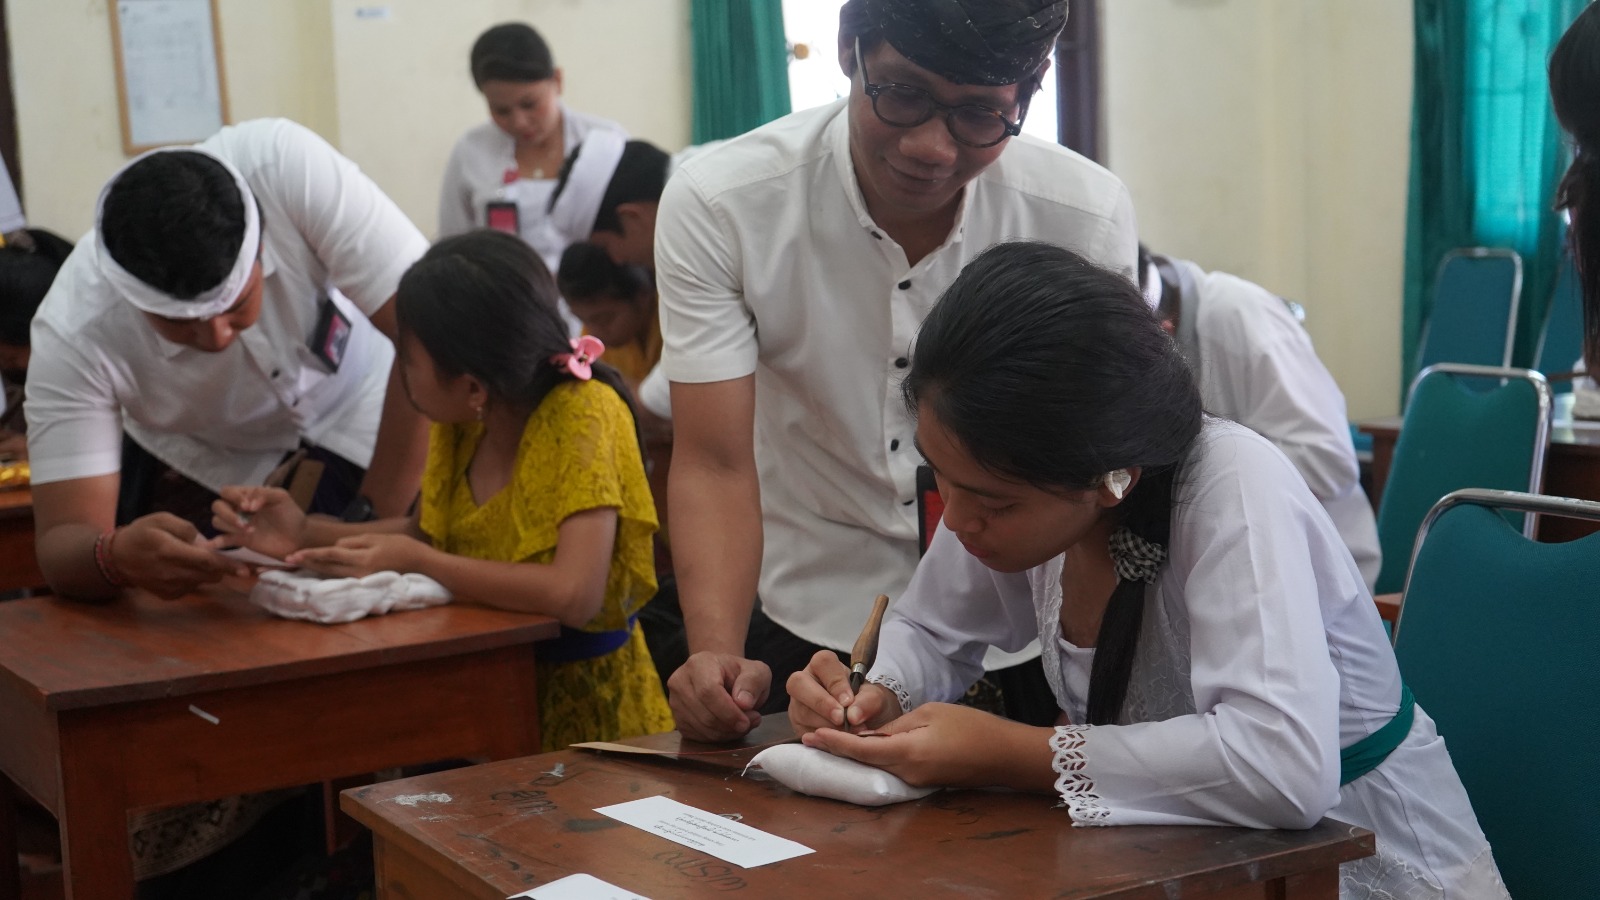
[1368, 753]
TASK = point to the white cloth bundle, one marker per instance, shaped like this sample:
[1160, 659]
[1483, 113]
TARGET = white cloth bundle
[302, 595]
[821, 774]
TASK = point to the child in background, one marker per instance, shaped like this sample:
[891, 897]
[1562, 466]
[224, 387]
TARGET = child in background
[615, 303]
[534, 496]
[1210, 642]
[27, 269]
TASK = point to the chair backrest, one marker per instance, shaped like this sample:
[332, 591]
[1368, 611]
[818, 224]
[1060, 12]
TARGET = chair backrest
[1499, 640]
[1561, 338]
[1464, 427]
[1474, 312]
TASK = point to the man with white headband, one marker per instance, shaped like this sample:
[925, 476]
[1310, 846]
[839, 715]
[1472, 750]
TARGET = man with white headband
[795, 264]
[1255, 365]
[233, 306]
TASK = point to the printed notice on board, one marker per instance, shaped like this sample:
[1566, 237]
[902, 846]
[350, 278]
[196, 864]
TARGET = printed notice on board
[169, 62]
[709, 833]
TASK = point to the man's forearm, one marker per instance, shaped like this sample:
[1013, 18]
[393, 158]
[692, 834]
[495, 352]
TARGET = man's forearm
[716, 551]
[398, 456]
[66, 558]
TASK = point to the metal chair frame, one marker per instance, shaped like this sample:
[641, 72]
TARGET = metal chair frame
[1541, 437]
[1516, 292]
[1533, 505]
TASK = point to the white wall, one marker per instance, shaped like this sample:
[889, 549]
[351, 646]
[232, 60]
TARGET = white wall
[1270, 139]
[1261, 137]
[391, 91]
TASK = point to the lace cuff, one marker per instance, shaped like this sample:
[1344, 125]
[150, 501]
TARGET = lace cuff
[1075, 787]
[900, 692]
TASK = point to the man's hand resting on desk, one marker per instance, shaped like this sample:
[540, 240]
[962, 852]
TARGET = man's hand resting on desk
[158, 553]
[715, 696]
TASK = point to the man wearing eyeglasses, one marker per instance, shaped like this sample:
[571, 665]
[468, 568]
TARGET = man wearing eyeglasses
[795, 264]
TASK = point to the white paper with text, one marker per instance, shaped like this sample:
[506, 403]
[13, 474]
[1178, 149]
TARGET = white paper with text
[708, 833]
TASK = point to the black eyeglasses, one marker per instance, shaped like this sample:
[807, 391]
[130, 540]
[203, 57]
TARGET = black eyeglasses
[904, 106]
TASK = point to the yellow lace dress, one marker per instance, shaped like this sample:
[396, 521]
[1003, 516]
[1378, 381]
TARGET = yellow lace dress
[578, 452]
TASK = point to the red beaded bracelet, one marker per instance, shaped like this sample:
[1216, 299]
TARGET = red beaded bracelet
[102, 559]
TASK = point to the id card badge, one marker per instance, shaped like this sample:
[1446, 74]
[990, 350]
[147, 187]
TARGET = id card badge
[332, 336]
[503, 215]
[930, 508]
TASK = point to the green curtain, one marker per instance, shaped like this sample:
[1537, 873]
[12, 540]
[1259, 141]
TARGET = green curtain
[741, 66]
[1486, 152]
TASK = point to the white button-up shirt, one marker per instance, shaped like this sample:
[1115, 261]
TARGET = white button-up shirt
[768, 263]
[98, 366]
[1257, 367]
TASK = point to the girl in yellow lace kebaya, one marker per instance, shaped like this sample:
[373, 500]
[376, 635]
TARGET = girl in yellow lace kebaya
[534, 497]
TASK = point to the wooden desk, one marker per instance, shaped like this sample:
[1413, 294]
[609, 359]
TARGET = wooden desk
[1571, 469]
[19, 568]
[97, 703]
[510, 826]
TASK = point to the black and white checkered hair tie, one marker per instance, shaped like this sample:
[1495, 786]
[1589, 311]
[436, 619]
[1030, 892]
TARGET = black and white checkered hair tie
[1135, 558]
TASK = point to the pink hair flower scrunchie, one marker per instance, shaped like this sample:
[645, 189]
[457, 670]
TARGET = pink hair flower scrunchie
[585, 350]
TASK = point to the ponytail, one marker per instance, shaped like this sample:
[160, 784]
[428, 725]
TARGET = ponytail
[1147, 512]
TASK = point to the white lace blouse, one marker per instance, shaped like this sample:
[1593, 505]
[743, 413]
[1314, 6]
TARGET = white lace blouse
[1260, 655]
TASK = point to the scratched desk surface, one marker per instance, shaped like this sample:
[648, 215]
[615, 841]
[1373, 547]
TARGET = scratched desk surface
[69, 655]
[501, 828]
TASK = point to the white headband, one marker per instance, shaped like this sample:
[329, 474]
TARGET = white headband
[573, 212]
[209, 303]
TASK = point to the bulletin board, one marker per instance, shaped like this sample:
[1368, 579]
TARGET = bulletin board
[170, 85]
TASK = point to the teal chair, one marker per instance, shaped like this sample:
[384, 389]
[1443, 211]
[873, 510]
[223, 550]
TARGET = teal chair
[1499, 640]
[1561, 338]
[1465, 426]
[1474, 312]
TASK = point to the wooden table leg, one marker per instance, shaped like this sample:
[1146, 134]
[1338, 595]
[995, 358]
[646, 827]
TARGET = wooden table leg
[10, 869]
[94, 814]
[1322, 884]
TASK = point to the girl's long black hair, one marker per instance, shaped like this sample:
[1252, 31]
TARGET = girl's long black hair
[483, 304]
[1052, 370]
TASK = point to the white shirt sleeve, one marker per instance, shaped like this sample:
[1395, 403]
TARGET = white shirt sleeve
[74, 419]
[362, 237]
[655, 393]
[1263, 359]
[1119, 245]
[934, 637]
[455, 194]
[1249, 562]
[707, 328]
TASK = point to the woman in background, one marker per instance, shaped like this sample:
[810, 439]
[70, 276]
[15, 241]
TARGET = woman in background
[1575, 92]
[502, 174]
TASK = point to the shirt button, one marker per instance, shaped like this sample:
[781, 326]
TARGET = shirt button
[275, 373]
[894, 444]
[905, 285]
[877, 235]
[901, 363]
